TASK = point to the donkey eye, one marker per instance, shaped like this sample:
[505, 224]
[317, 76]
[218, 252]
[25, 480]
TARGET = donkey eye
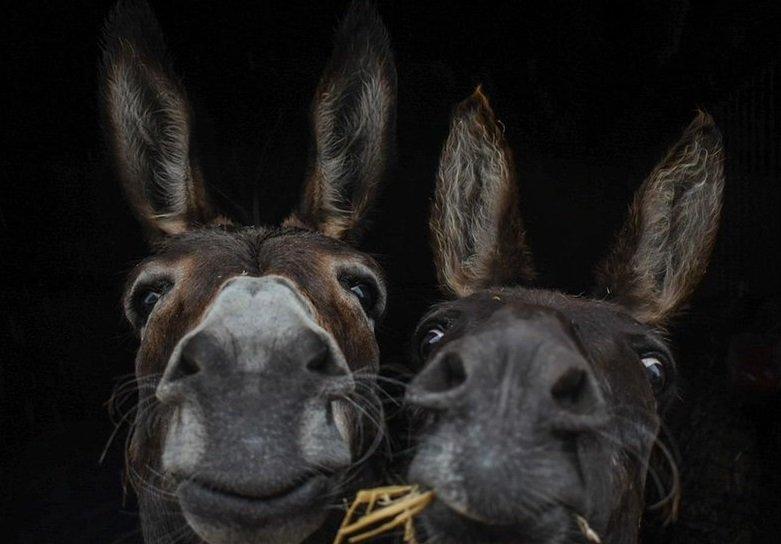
[146, 300]
[149, 300]
[429, 339]
[366, 295]
[146, 303]
[657, 375]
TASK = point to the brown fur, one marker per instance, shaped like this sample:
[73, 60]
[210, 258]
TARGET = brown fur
[475, 221]
[663, 250]
[196, 250]
[200, 262]
[150, 125]
[354, 122]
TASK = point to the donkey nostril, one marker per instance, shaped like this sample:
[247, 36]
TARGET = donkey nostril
[324, 363]
[574, 392]
[187, 366]
[195, 355]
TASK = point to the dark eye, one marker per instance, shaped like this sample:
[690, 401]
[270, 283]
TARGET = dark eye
[146, 302]
[149, 300]
[655, 370]
[366, 295]
[427, 342]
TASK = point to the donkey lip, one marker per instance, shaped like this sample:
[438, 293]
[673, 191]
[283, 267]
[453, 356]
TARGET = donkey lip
[461, 511]
[454, 525]
[451, 522]
[209, 500]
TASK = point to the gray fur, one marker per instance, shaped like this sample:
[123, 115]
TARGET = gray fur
[353, 121]
[150, 123]
[663, 250]
[476, 228]
[250, 413]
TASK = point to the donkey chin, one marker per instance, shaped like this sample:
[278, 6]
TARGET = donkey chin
[472, 506]
[502, 468]
[489, 490]
[255, 439]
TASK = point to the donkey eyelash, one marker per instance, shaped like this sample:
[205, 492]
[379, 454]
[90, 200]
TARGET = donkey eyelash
[442, 324]
[444, 320]
[654, 354]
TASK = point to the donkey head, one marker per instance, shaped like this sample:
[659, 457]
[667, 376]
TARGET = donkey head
[542, 407]
[256, 344]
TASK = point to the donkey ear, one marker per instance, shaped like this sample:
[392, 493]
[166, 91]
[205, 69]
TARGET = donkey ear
[150, 124]
[663, 250]
[354, 124]
[477, 233]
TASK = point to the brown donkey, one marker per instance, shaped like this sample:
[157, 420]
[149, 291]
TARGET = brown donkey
[257, 344]
[543, 408]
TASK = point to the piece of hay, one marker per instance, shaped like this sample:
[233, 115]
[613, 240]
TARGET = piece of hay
[386, 508]
[587, 531]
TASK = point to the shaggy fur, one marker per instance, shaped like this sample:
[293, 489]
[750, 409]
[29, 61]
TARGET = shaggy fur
[663, 250]
[475, 223]
[198, 404]
[354, 121]
[542, 409]
[150, 124]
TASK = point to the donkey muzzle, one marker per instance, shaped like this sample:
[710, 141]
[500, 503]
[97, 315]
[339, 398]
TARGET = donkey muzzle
[255, 430]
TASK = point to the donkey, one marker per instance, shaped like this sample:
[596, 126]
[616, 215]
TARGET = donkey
[257, 348]
[541, 409]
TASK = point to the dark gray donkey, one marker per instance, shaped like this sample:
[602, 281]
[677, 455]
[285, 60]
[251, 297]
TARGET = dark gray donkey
[257, 360]
[543, 408]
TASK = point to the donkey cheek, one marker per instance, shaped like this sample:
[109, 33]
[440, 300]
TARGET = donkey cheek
[342, 420]
[184, 443]
[320, 443]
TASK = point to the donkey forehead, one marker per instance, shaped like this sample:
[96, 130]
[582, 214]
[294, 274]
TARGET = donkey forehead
[289, 252]
[594, 322]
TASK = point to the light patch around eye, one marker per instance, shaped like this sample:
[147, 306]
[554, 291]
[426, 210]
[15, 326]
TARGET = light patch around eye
[156, 280]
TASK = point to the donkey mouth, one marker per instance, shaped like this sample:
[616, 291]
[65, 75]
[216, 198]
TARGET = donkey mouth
[454, 519]
[455, 525]
[212, 500]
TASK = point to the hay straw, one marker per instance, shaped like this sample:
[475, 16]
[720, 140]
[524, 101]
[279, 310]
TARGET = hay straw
[396, 506]
[391, 507]
[587, 531]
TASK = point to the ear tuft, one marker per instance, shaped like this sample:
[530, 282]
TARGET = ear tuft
[354, 122]
[150, 123]
[476, 228]
[663, 250]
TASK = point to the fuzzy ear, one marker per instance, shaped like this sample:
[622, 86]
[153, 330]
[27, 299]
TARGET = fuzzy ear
[477, 233]
[150, 124]
[354, 124]
[663, 250]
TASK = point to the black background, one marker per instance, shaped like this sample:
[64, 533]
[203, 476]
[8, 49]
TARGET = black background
[590, 93]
